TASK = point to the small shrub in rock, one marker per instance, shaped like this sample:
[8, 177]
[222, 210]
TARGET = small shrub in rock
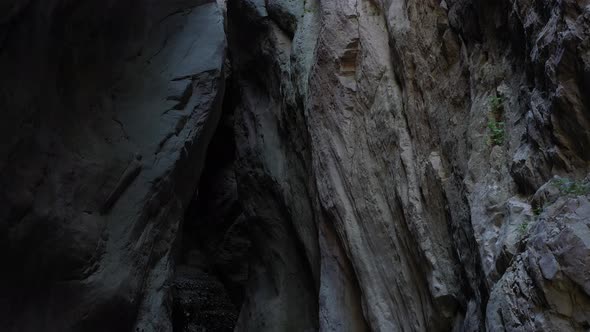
[523, 228]
[495, 123]
[537, 210]
[496, 132]
[572, 187]
[496, 105]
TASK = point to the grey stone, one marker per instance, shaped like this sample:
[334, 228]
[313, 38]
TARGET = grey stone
[395, 165]
[548, 266]
[88, 228]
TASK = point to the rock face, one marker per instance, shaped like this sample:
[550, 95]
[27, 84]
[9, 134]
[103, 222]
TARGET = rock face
[105, 127]
[404, 146]
[381, 165]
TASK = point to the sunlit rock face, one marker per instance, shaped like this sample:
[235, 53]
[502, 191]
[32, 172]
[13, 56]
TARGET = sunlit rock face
[290, 165]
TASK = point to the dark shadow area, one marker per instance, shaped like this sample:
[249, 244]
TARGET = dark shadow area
[212, 266]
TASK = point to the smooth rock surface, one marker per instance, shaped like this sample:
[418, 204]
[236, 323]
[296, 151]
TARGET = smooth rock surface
[106, 124]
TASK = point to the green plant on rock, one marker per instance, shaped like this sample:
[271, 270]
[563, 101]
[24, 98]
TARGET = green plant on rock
[496, 104]
[495, 123]
[572, 187]
[523, 228]
[497, 132]
[537, 210]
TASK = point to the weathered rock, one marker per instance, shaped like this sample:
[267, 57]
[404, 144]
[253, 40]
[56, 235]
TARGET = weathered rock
[425, 129]
[384, 165]
[547, 287]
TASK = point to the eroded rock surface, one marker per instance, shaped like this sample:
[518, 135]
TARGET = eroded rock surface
[381, 165]
[414, 136]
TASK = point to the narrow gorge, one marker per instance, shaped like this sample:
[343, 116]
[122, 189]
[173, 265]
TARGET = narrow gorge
[295, 165]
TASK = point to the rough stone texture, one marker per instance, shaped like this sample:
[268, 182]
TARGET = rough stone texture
[395, 165]
[374, 119]
[108, 108]
[201, 302]
[547, 288]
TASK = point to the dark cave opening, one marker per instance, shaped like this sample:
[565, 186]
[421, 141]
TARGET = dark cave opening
[212, 263]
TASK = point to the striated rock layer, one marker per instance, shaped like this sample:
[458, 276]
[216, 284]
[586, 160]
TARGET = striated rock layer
[408, 148]
[382, 165]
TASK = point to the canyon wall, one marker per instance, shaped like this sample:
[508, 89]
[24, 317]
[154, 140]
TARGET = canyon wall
[413, 146]
[108, 108]
[381, 165]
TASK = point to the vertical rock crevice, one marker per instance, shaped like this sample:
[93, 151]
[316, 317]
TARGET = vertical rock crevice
[213, 261]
